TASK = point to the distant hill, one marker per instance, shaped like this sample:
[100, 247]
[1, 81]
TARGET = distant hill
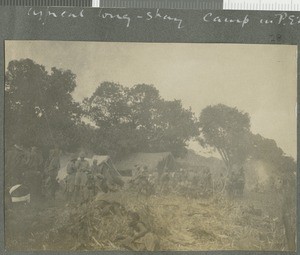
[192, 160]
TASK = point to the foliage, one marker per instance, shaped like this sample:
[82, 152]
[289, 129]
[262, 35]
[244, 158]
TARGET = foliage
[267, 150]
[227, 130]
[138, 119]
[39, 108]
[40, 111]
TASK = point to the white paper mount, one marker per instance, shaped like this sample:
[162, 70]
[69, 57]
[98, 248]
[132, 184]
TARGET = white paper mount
[262, 5]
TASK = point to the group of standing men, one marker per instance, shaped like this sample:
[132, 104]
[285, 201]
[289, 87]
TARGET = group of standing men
[28, 167]
[77, 178]
[83, 180]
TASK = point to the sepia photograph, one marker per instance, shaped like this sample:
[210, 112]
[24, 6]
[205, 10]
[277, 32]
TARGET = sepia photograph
[122, 146]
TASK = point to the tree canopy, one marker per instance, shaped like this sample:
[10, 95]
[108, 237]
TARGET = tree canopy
[138, 119]
[227, 130]
[39, 107]
[40, 111]
[267, 150]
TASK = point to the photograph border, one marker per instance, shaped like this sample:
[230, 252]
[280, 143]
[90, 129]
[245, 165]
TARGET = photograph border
[16, 23]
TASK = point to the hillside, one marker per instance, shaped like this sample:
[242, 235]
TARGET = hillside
[193, 160]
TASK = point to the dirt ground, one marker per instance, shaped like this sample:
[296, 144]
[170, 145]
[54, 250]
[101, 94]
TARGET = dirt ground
[252, 222]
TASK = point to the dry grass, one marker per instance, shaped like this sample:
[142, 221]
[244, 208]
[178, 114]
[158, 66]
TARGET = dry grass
[180, 223]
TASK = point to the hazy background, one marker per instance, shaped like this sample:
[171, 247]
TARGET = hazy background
[258, 79]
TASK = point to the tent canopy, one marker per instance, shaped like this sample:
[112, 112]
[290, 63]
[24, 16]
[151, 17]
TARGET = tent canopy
[101, 159]
[159, 161]
[104, 159]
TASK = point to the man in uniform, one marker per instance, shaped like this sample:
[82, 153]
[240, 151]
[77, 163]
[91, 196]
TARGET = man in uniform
[51, 172]
[33, 175]
[208, 182]
[240, 185]
[15, 164]
[92, 175]
[70, 179]
[231, 184]
[95, 169]
[82, 169]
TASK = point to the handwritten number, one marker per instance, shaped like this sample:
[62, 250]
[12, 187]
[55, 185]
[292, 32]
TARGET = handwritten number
[275, 38]
[278, 37]
[272, 39]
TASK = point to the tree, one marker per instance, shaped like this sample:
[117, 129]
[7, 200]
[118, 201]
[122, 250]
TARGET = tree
[143, 101]
[138, 119]
[108, 106]
[161, 125]
[175, 127]
[227, 130]
[39, 108]
[284, 168]
[267, 150]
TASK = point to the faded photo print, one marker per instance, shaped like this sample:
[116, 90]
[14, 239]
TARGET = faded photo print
[150, 146]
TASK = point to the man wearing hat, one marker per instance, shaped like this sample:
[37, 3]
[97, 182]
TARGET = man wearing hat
[70, 179]
[82, 168]
[51, 171]
[33, 174]
[15, 165]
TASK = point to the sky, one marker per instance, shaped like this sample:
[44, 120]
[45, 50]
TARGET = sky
[258, 79]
